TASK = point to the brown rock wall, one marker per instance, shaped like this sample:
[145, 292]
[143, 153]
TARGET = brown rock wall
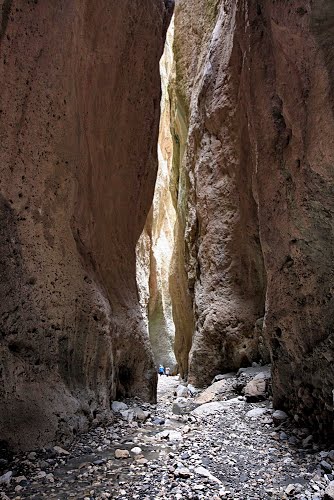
[79, 119]
[224, 261]
[259, 160]
[180, 289]
[292, 123]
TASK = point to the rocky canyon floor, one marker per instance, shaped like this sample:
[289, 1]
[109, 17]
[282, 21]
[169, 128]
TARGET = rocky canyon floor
[220, 445]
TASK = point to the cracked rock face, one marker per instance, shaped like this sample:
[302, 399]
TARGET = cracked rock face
[223, 254]
[80, 91]
[259, 92]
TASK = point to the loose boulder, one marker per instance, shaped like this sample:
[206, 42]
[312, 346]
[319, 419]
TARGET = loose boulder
[212, 392]
[256, 389]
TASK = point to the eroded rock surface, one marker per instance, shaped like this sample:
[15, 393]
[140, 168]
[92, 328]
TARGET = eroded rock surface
[223, 253]
[257, 82]
[79, 114]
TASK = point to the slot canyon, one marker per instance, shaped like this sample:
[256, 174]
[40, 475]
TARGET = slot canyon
[167, 201]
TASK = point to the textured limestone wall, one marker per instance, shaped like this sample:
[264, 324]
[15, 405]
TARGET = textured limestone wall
[292, 123]
[79, 113]
[223, 254]
[259, 89]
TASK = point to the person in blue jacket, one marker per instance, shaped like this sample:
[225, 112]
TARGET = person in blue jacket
[161, 370]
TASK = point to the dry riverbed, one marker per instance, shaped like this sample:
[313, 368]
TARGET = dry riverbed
[226, 442]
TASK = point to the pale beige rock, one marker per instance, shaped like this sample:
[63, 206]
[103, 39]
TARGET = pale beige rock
[80, 98]
[122, 453]
[211, 393]
[60, 450]
[255, 390]
[215, 407]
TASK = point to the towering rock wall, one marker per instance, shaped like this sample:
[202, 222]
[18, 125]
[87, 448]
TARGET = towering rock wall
[259, 89]
[223, 254]
[79, 113]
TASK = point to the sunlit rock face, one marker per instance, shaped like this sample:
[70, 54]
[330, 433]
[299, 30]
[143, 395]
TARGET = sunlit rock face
[257, 82]
[155, 246]
[80, 105]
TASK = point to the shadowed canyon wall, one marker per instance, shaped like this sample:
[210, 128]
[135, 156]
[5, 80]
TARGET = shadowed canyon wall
[79, 115]
[256, 79]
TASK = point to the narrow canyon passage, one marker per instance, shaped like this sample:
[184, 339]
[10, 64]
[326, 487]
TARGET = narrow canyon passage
[212, 444]
[166, 198]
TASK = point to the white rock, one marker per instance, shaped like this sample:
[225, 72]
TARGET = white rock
[40, 475]
[18, 479]
[140, 414]
[215, 407]
[169, 434]
[266, 375]
[127, 415]
[192, 389]
[136, 450]
[224, 376]
[280, 416]
[175, 436]
[201, 471]
[5, 478]
[60, 450]
[256, 412]
[182, 406]
[182, 391]
[253, 371]
[182, 472]
[290, 489]
[118, 406]
[162, 435]
[329, 491]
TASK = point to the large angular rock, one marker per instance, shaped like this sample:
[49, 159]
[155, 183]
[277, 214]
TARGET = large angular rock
[212, 392]
[329, 491]
[183, 406]
[118, 406]
[256, 389]
[216, 407]
[182, 391]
